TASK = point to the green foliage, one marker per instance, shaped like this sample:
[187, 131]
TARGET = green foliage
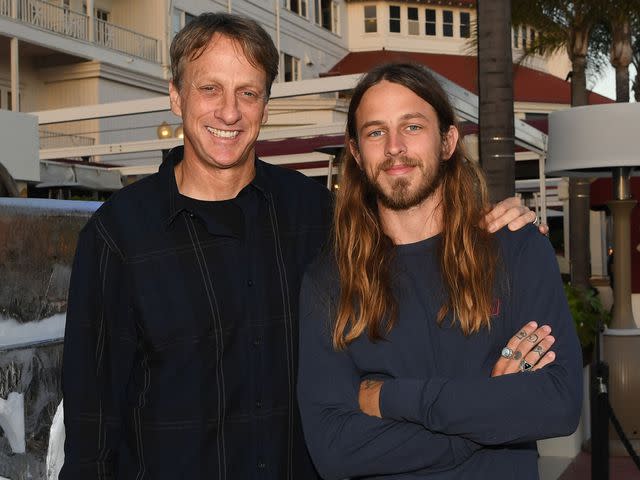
[587, 312]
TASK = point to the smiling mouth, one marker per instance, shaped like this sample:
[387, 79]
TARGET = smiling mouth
[223, 133]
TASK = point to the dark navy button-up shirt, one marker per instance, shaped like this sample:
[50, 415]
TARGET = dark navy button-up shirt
[181, 344]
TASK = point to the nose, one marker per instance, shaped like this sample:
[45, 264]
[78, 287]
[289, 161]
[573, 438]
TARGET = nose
[227, 110]
[395, 145]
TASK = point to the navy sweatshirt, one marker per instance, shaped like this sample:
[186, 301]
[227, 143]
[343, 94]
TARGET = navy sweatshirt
[444, 416]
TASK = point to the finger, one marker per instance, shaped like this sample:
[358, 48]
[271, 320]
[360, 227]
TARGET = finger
[543, 228]
[544, 361]
[526, 216]
[539, 351]
[504, 212]
[525, 345]
[512, 345]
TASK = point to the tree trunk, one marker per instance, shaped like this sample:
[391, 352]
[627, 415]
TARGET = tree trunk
[495, 91]
[622, 84]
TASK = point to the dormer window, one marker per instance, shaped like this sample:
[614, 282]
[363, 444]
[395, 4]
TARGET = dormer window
[370, 19]
[447, 23]
[394, 19]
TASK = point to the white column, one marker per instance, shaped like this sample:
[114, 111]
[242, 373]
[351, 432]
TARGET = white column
[15, 76]
[90, 14]
[277, 10]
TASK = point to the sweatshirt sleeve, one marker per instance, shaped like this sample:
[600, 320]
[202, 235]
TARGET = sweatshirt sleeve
[343, 441]
[511, 408]
[99, 347]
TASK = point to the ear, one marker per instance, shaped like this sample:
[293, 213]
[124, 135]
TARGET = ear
[265, 113]
[174, 99]
[450, 142]
[353, 148]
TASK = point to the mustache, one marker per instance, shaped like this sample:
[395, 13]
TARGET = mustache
[405, 161]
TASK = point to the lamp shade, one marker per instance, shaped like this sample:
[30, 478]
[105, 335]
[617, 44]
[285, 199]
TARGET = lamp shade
[589, 141]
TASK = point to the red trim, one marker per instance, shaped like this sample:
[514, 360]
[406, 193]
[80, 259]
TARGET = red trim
[529, 85]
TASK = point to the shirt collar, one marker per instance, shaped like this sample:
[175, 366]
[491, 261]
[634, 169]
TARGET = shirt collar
[261, 182]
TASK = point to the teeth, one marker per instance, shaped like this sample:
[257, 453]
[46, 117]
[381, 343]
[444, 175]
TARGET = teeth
[223, 133]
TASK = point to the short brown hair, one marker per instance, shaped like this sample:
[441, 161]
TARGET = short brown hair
[255, 42]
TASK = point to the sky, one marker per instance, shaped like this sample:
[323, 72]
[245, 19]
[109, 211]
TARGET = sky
[606, 84]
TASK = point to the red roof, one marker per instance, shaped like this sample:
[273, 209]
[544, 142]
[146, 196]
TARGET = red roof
[529, 85]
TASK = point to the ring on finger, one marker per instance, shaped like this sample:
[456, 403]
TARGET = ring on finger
[506, 352]
[525, 366]
[536, 220]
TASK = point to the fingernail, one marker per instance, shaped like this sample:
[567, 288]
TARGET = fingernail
[532, 324]
[546, 328]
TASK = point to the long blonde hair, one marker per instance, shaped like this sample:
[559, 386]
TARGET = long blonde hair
[364, 252]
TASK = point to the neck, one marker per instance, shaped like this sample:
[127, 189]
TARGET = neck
[413, 224]
[201, 182]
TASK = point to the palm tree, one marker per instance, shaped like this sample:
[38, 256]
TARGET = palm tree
[567, 25]
[495, 92]
[614, 37]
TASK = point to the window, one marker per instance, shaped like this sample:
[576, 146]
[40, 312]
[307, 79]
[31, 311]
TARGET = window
[298, 6]
[179, 20]
[465, 25]
[291, 68]
[370, 19]
[394, 19]
[414, 24]
[447, 23]
[430, 21]
[532, 38]
[327, 15]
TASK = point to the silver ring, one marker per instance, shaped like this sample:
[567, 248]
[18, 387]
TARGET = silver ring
[506, 352]
[525, 366]
[536, 220]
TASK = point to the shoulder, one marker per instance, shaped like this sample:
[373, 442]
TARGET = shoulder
[526, 250]
[527, 238]
[130, 212]
[290, 183]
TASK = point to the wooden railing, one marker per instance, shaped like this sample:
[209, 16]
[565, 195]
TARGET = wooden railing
[66, 22]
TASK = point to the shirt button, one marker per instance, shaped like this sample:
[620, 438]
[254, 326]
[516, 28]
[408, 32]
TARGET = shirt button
[258, 404]
[257, 341]
[261, 465]
[250, 283]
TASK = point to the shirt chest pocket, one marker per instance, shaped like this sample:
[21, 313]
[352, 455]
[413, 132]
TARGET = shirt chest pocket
[174, 307]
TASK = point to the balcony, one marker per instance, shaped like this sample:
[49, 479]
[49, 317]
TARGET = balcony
[66, 22]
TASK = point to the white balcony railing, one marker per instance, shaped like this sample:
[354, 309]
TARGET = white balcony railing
[64, 21]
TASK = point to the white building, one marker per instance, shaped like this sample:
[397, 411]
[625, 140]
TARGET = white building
[70, 53]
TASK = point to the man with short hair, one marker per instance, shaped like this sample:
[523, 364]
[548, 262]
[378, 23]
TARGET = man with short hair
[181, 342]
[402, 322]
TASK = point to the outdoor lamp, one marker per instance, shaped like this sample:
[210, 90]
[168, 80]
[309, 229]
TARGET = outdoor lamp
[164, 131]
[602, 141]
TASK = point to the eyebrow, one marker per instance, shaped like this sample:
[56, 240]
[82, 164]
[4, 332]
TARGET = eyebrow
[406, 116]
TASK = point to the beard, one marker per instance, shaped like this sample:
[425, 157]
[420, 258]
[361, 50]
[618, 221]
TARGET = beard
[401, 195]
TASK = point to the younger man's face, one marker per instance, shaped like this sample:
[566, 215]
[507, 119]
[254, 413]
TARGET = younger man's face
[400, 147]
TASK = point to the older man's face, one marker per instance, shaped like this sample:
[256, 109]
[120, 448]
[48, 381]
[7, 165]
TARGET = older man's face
[222, 102]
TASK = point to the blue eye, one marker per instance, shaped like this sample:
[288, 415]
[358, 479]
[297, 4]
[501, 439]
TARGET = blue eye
[414, 128]
[374, 133]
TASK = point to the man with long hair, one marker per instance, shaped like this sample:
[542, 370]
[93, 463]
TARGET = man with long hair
[408, 366]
